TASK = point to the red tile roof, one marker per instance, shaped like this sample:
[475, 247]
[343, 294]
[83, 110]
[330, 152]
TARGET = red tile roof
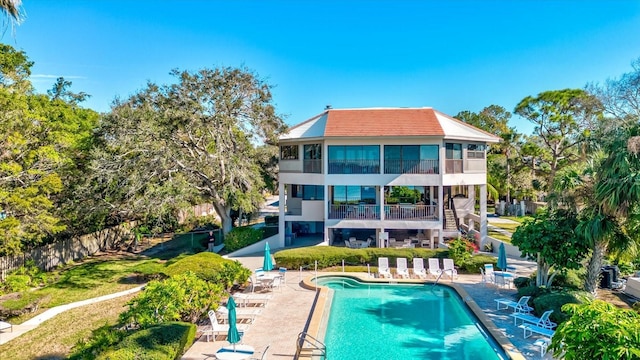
[383, 122]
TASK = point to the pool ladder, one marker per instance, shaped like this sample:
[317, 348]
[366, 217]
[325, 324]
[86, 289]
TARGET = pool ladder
[309, 347]
[440, 275]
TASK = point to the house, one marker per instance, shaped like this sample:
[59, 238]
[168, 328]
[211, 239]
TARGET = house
[383, 174]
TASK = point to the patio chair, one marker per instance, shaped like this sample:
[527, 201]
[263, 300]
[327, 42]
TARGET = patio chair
[521, 306]
[383, 267]
[401, 268]
[244, 299]
[542, 321]
[529, 329]
[434, 267]
[283, 272]
[418, 268]
[449, 268]
[488, 272]
[484, 278]
[264, 354]
[243, 315]
[274, 283]
[347, 243]
[217, 328]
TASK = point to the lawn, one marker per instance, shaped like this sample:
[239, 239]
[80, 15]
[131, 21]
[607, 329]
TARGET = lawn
[499, 236]
[55, 338]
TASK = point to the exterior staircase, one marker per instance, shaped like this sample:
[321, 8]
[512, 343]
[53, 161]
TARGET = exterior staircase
[450, 224]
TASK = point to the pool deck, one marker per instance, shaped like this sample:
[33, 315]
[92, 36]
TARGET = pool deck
[287, 313]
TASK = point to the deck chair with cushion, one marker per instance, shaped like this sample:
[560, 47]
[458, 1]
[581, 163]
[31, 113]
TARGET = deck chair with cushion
[521, 306]
[542, 321]
[434, 267]
[449, 268]
[383, 267]
[401, 268]
[418, 268]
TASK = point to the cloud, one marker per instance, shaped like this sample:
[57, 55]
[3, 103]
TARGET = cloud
[48, 76]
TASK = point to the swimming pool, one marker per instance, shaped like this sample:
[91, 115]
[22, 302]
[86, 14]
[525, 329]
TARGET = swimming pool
[402, 321]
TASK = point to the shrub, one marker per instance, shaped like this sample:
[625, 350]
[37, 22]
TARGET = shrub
[164, 341]
[100, 341]
[530, 290]
[554, 301]
[16, 283]
[473, 265]
[460, 250]
[183, 297]
[241, 237]
[211, 267]
[597, 330]
[521, 282]
[571, 279]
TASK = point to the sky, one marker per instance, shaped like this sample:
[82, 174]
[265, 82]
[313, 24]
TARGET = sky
[449, 55]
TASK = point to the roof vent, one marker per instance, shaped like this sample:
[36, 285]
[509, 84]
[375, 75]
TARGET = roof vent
[328, 107]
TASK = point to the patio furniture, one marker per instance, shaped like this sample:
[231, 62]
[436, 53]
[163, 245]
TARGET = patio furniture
[521, 306]
[217, 328]
[235, 352]
[449, 268]
[530, 329]
[264, 354]
[542, 321]
[434, 267]
[383, 267]
[543, 344]
[401, 268]
[243, 315]
[245, 299]
[418, 268]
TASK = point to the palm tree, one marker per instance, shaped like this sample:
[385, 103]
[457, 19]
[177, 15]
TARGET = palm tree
[11, 9]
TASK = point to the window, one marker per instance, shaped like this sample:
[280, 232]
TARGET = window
[453, 151]
[312, 158]
[354, 195]
[289, 152]
[358, 159]
[476, 151]
[411, 159]
[313, 192]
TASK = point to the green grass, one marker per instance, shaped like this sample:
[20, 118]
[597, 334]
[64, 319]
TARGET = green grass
[519, 219]
[499, 236]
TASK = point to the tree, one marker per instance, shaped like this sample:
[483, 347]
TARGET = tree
[620, 97]
[61, 91]
[597, 330]
[11, 10]
[550, 240]
[38, 154]
[563, 120]
[195, 140]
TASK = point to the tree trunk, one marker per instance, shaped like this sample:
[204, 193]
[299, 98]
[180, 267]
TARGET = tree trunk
[593, 268]
[224, 212]
[508, 170]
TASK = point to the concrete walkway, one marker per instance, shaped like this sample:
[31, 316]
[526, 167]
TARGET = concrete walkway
[35, 321]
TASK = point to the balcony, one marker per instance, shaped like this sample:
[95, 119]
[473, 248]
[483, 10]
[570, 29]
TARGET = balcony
[354, 212]
[312, 166]
[410, 212]
[354, 166]
[411, 167]
[453, 166]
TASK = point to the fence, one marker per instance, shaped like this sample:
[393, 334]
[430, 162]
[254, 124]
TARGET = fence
[49, 256]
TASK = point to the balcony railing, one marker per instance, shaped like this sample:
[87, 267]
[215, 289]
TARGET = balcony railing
[354, 166]
[391, 212]
[410, 212]
[355, 212]
[312, 166]
[411, 167]
[453, 166]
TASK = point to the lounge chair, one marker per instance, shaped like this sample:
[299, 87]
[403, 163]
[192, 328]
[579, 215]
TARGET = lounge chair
[347, 243]
[217, 328]
[383, 267]
[401, 268]
[418, 268]
[521, 306]
[274, 283]
[243, 314]
[244, 299]
[434, 267]
[543, 344]
[542, 321]
[488, 272]
[449, 268]
[529, 329]
[264, 354]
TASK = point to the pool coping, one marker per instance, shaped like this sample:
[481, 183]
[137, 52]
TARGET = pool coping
[323, 299]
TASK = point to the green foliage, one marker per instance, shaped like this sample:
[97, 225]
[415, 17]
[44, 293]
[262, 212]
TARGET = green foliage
[404, 194]
[522, 281]
[460, 250]
[100, 341]
[183, 297]
[209, 222]
[211, 267]
[163, 342]
[475, 262]
[551, 235]
[597, 330]
[554, 301]
[530, 290]
[570, 279]
[241, 237]
[15, 283]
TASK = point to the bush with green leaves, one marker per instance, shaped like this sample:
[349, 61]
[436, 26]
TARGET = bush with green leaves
[100, 341]
[24, 278]
[597, 330]
[555, 300]
[211, 267]
[475, 263]
[521, 282]
[183, 297]
[162, 342]
[460, 250]
[241, 237]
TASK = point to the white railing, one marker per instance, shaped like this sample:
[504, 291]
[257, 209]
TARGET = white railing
[356, 212]
[410, 212]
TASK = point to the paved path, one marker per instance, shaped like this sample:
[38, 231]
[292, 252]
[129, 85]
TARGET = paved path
[35, 321]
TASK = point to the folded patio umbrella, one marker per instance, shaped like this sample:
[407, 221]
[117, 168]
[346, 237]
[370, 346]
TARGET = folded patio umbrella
[233, 336]
[502, 258]
[267, 264]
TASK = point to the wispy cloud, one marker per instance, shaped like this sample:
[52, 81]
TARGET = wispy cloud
[49, 76]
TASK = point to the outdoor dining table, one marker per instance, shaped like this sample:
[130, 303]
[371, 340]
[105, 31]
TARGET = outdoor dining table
[240, 352]
[507, 277]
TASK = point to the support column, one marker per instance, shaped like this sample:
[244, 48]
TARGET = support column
[281, 214]
[483, 215]
[471, 190]
[441, 213]
[381, 202]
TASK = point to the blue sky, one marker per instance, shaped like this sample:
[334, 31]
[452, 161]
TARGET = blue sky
[450, 55]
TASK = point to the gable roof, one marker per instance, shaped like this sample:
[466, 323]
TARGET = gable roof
[387, 122]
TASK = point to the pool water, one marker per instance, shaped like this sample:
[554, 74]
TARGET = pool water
[393, 321]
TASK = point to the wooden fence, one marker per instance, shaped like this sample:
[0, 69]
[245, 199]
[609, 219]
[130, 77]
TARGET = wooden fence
[49, 256]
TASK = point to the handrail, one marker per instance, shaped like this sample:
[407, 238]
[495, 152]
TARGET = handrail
[313, 343]
[437, 279]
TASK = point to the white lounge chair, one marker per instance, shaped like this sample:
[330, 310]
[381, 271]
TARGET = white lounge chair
[217, 328]
[418, 268]
[521, 306]
[434, 267]
[243, 315]
[542, 321]
[347, 243]
[529, 329]
[448, 268]
[244, 299]
[383, 267]
[264, 354]
[401, 268]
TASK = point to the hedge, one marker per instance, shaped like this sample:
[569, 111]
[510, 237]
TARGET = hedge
[211, 267]
[555, 300]
[241, 237]
[329, 256]
[166, 341]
